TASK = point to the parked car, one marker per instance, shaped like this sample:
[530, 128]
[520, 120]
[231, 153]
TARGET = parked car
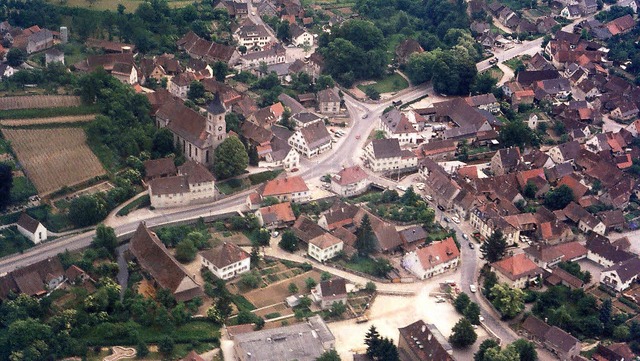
[440, 207]
[455, 220]
[365, 116]
[275, 234]
[446, 219]
[471, 245]
[472, 288]
[428, 197]
[294, 170]
[493, 61]
[440, 299]
[464, 235]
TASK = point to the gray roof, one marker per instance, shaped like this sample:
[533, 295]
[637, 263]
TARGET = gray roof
[328, 95]
[215, 106]
[291, 103]
[302, 342]
[315, 135]
[626, 270]
[386, 148]
[306, 117]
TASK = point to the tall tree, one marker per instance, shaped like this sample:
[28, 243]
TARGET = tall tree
[371, 339]
[289, 241]
[105, 238]
[365, 242]
[230, 158]
[509, 301]
[196, 90]
[330, 355]
[495, 247]
[526, 350]
[462, 334]
[484, 346]
[6, 181]
[558, 198]
[461, 302]
[472, 313]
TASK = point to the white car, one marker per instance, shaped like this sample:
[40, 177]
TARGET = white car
[473, 288]
[440, 300]
[455, 220]
[429, 198]
[464, 235]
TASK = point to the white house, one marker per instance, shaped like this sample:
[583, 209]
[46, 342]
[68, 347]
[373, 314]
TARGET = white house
[386, 155]
[252, 36]
[434, 259]
[622, 275]
[194, 184]
[516, 271]
[179, 85]
[226, 261]
[32, 229]
[300, 36]
[325, 247]
[288, 189]
[329, 292]
[350, 181]
[396, 124]
[312, 140]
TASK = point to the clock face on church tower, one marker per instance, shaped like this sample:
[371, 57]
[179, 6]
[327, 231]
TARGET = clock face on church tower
[220, 128]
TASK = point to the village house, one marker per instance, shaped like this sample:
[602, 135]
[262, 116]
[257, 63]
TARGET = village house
[288, 189]
[76, 275]
[486, 220]
[302, 341]
[565, 152]
[328, 292]
[616, 351]
[486, 102]
[311, 140]
[621, 276]
[564, 346]
[166, 271]
[300, 36]
[505, 161]
[33, 39]
[324, 247]
[35, 231]
[395, 124]
[340, 214]
[349, 182]
[305, 118]
[517, 271]
[328, 101]
[385, 155]
[272, 55]
[197, 136]
[159, 168]
[209, 51]
[404, 50]
[558, 276]
[386, 236]
[548, 256]
[110, 47]
[36, 279]
[253, 37]
[179, 85]
[226, 261]
[613, 220]
[422, 341]
[586, 221]
[276, 216]
[53, 55]
[193, 184]
[6, 71]
[121, 66]
[432, 260]
[601, 251]
[412, 237]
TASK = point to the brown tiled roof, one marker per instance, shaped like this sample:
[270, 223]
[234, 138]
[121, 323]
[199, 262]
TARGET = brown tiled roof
[196, 173]
[340, 214]
[386, 235]
[73, 272]
[25, 221]
[517, 266]
[256, 133]
[558, 275]
[328, 95]
[425, 342]
[611, 218]
[333, 287]
[347, 237]
[601, 246]
[184, 121]
[286, 185]
[325, 241]
[169, 185]
[386, 148]
[560, 339]
[572, 181]
[192, 356]
[306, 229]
[224, 255]
[438, 253]
[316, 135]
[31, 280]
[535, 327]
[626, 270]
[106, 45]
[153, 256]
[159, 167]
[280, 212]
[350, 175]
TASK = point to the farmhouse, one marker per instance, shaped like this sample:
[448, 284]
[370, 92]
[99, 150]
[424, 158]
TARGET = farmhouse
[621, 276]
[292, 189]
[386, 155]
[328, 101]
[562, 344]
[53, 56]
[32, 229]
[434, 259]
[329, 292]
[121, 66]
[603, 252]
[155, 259]
[34, 280]
[209, 51]
[324, 247]
[311, 140]
[395, 124]
[194, 184]
[159, 168]
[226, 261]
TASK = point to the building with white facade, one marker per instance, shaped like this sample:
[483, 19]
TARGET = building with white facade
[35, 231]
[350, 181]
[396, 124]
[226, 261]
[288, 189]
[325, 247]
[312, 140]
[386, 155]
[434, 259]
[194, 184]
[622, 275]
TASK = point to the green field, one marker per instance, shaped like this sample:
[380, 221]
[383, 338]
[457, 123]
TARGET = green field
[48, 112]
[389, 84]
[112, 5]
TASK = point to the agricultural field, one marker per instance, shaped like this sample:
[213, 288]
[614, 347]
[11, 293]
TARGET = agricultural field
[54, 158]
[48, 120]
[39, 101]
[98, 5]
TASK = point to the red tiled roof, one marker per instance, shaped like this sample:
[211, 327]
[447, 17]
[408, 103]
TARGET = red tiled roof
[225, 255]
[285, 185]
[516, 266]
[437, 253]
[280, 212]
[350, 175]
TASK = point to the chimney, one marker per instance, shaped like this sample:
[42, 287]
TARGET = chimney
[424, 328]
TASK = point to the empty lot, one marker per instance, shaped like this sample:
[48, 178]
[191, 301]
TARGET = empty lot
[54, 158]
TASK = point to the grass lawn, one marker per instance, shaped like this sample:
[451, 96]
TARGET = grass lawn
[112, 5]
[48, 112]
[360, 264]
[13, 242]
[496, 73]
[233, 185]
[514, 63]
[22, 189]
[389, 84]
[116, 333]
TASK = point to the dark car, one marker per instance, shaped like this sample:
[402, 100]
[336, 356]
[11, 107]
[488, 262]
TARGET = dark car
[440, 207]
[397, 102]
[471, 245]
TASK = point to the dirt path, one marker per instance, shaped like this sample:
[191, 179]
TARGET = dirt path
[51, 120]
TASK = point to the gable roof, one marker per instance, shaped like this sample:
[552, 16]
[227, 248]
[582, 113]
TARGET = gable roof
[25, 221]
[31, 280]
[154, 257]
[349, 175]
[325, 241]
[328, 95]
[438, 253]
[626, 270]
[184, 121]
[601, 246]
[565, 251]
[159, 167]
[280, 212]
[224, 255]
[535, 327]
[516, 266]
[195, 172]
[333, 287]
[284, 185]
[426, 342]
[315, 135]
[386, 148]
[306, 229]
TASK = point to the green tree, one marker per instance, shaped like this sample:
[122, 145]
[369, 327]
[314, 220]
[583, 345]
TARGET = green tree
[6, 181]
[166, 345]
[310, 283]
[186, 251]
[233, 122]
[325, 276]
[371, 339]
[250, 280]
[372, 93]
[365, 242]
[509, 301]
[15, 57]
[516, 133]
[461, 302]
[196, 91]
[289, 241]
[526, 350]
[370, 287]
[497, 354]
[472, 313]
[495, 247]
[530, 190]
[605, 312]
[338, 308]
[293, 289]
[305, 302]
[162, 143]
[483, 83]
[381, 267]
[490, 279]
[329, 355]
[264, 236]
[87, 210]
[230, 158]
[558, 198]
[621, 333]
[283, 31]
[484, 346]
[462, 334]
[105, 238]
[142, 350]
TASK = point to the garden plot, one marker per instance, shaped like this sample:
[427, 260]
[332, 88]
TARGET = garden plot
[39, 101]
[277, 292]
[54, 158]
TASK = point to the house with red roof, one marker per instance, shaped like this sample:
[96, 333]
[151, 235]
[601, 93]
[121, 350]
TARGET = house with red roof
[434, 259]
[276, 216]
[350, 181]
[292, 189]
[517, 271]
